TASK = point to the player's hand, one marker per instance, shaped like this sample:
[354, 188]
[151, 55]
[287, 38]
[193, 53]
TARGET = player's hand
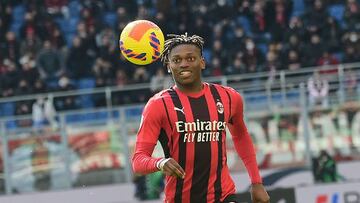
[259, 194]
[171, 168]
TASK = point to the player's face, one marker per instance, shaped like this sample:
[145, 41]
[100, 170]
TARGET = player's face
[185, 64]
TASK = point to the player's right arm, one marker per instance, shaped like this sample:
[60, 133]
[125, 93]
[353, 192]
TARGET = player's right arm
[147, 136]
[151, 123]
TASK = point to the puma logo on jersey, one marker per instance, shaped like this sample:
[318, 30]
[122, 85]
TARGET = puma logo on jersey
[181, 110]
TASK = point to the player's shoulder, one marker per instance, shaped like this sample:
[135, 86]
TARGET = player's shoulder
[227, 89]
[158, 97]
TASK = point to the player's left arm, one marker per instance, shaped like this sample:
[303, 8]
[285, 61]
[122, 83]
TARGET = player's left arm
[245, 149]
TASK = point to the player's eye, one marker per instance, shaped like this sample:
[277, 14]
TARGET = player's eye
[176, 60]
[191, 59]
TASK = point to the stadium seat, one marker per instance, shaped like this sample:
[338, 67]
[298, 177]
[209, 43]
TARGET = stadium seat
[337, 12]
[74, 8]
[246, 24]
[298, 7]
[110, 18]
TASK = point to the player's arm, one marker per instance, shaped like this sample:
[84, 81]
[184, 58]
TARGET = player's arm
[245, 149]
[147, 136]
[242, 140]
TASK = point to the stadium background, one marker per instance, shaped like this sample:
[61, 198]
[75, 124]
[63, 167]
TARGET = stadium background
[63, 56]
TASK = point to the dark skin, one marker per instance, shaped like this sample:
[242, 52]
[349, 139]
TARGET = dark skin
[185, 64]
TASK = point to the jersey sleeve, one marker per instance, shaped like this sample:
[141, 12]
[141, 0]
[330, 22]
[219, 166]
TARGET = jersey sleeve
[147, 137]
[242, 139]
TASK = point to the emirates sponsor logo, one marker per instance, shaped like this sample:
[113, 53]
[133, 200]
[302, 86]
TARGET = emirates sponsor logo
[200, 131]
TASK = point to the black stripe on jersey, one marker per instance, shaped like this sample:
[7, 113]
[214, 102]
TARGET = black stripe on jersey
[217, 184]
[167, 113]
[164, 141]
[182, 145]
[227, 93]
[202, 154]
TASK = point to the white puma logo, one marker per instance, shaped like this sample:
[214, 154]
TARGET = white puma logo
[181, 110]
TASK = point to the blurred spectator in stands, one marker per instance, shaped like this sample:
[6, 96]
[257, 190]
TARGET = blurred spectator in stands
[11, 75]
[57, 39]
[318, 88]
[237, 66]
[104, 72]
[292, 62]
[352, 15]
[277, 18]
[88, 41]
[325, 169]
[50, 62]
[57, 8]
[296, 27]
[29, 27]
[237, 42]
[313, 50]
[331, 34]
[220, 52]
[10, 48]
[315, 17]
[215, 67]
[31, 43]
[258, 17]
[38, 115]
[6, 14]
[160, 81]
[23, 88]
[350, 55]
[327, 59]
[252, 56]
[272, 66]
[121, 78]
[39, 86]
[28, 70]
[23, 107]
[48, 26]
[141, 75]
[122, 19]
[78, 65]
[65, 102]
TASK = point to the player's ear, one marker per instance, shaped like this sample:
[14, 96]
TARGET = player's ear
[168, 68]
[203, 63]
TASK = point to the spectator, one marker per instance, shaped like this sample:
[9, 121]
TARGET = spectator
[28, 70]
[29, 27]
[293, 60]
[160, 81]
[57, 7]
[65, 102]
[50, 62]
[318, 88]
[10, 48]
[327, 59]
[325, 169]
[78, 65]
[313, 51]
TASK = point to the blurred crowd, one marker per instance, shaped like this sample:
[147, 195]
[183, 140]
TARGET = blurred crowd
[58, 45]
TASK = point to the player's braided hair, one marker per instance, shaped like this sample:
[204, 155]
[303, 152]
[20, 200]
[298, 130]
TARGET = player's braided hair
[180, 39]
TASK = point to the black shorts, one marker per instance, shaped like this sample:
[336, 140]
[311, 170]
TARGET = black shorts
[230, 198]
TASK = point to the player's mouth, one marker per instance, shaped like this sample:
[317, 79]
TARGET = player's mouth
[185, 73]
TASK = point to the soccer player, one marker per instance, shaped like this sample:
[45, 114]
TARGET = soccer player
[190, 121]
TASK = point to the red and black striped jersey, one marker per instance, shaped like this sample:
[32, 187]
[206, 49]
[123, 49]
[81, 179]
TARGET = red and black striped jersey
[192, 130]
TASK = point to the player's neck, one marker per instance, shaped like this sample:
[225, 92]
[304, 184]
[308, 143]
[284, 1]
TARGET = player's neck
[191, 88]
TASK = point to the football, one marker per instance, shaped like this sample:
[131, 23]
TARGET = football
[141, 42]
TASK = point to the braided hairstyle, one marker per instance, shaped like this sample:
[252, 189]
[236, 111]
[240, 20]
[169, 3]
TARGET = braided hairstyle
[180, 39]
